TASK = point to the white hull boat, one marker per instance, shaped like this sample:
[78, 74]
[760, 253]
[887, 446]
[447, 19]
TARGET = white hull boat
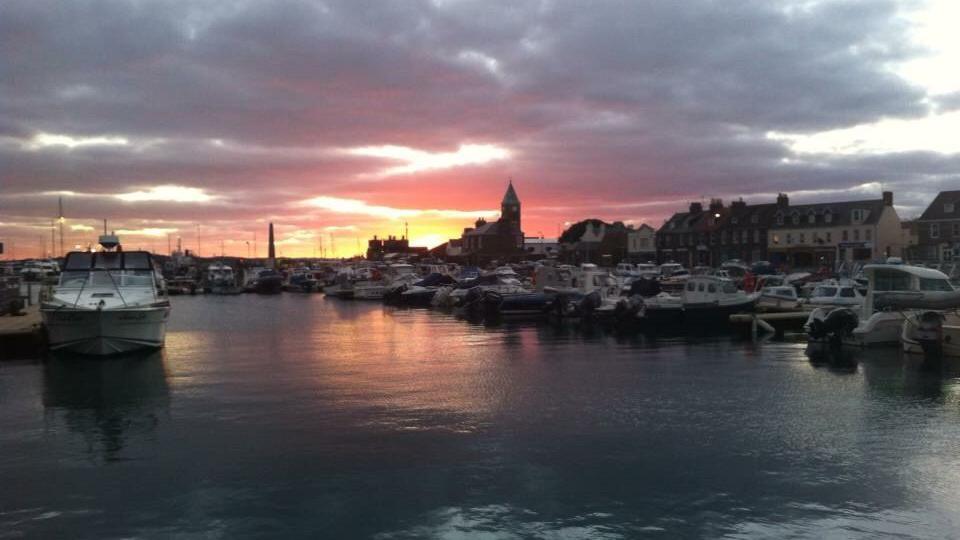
[107, 302]
[103, 332]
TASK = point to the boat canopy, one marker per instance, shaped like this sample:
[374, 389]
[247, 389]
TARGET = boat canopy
[108, 260]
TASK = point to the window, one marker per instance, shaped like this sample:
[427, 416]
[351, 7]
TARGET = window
[847, 292]
[789, 238]
[755, 219]
[828, 217]
[933, 284]
[948, 208]
[729, 288]
[868, 234]
[811, 218]
[776, 239]
[734, 220]
[723, 237]
[795, 218]
[891, 280]
[857, 215]
[856, 235]
[829, 237]
[756, 236]
[803, 238]
[955, 229]
[700, 287]
[934, 230]
[846, 235]
[691, 286]
[645, 242]
[712, 288]
[779, 218]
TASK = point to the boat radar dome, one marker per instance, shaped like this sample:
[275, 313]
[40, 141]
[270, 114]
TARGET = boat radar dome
[109, 241]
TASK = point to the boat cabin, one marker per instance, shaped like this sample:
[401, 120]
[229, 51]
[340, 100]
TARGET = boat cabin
[706, 289]
[108, 268]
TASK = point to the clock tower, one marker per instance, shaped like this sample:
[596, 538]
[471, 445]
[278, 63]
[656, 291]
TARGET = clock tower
[510, 207]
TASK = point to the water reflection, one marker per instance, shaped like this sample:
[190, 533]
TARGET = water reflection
[836, 359]
[108, 402]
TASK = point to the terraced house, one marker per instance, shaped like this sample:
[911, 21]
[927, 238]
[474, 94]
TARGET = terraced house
[832, 234]
[797, 236]
[938, 229]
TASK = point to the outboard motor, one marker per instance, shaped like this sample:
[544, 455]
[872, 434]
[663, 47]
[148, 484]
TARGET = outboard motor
[589, 303]
[393, 296]
[628, 308]
[645, 287]
[835, 326]
[929, 333]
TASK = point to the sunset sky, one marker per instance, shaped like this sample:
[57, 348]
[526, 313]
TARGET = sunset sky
[340, 120]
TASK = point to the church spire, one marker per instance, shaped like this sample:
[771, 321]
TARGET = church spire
[510, 197]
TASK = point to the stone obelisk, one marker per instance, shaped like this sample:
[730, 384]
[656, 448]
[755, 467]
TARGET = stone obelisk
[272, 250]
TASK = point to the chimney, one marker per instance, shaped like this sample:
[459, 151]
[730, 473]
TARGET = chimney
[888, 198]
[716, 205]
[738, 205]
[696, 208]
[782, 200]
[481, 222]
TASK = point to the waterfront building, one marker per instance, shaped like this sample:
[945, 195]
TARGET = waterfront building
[380, 248]
[685, 237]
[641, 244]
[938, 229]
[502, 238]
[539, 248]
[835, 233]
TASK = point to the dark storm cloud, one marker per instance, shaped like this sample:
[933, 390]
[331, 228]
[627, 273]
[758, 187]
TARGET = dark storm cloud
[635, 99]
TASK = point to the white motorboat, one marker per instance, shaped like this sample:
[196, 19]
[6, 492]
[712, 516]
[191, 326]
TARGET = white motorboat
[933, 334]
[895, 293]
[832, 293]
[107, 302]
[705, 300]
[220, 279]
[587, 290]
[778, 298]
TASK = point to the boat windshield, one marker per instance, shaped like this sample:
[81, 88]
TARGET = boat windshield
[932, 284]
[107, 269]
[825, 291]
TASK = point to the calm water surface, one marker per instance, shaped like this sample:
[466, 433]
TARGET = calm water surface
[296, 416]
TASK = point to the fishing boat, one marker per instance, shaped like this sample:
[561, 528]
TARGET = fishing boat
[107, 302]
[704, 301]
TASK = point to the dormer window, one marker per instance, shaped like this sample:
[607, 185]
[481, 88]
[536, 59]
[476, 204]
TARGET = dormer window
[812, 218]
[795, 218]
[948, 208]
[827, 216]
[779, 218]
[856, 215]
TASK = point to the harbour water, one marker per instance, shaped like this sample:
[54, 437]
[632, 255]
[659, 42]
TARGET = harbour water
[298, 416]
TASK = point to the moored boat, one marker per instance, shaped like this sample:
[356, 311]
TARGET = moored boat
[107, 302]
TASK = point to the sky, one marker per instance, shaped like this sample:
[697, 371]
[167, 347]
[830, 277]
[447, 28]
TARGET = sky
[336, 120]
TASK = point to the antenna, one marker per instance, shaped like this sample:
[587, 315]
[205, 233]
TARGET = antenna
[104, 226]
[406, 230]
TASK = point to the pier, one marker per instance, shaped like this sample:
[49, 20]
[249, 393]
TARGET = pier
[21, 336]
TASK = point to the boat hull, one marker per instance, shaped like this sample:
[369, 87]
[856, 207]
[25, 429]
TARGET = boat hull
[105, 332]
